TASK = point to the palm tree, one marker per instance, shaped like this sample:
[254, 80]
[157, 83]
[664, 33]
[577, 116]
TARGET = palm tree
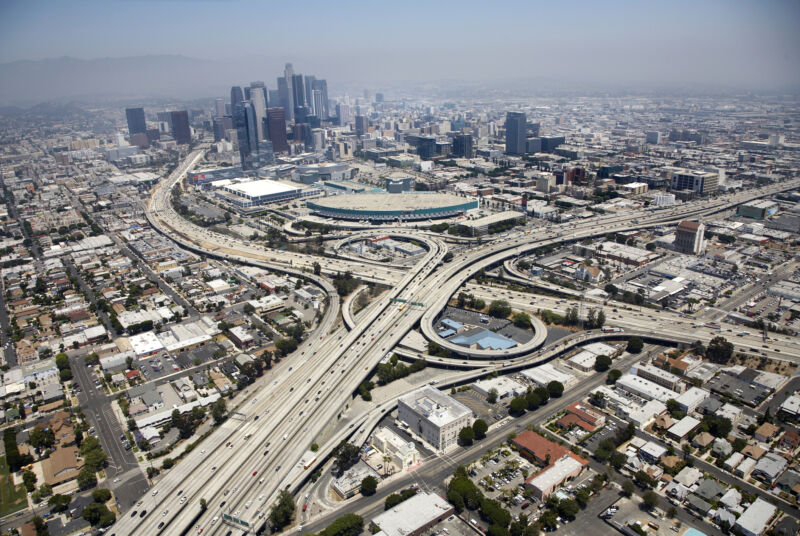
[386, 461]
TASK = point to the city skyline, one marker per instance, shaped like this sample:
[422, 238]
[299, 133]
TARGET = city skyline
[617, 45]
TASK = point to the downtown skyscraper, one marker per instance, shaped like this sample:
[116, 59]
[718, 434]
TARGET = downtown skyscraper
[516, 133]
[136, 121]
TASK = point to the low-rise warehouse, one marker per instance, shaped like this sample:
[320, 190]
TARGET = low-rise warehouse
[413, 516]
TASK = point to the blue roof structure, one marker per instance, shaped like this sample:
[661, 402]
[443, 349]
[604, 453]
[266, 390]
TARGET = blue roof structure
[485, 340]
[694, 532]
[452, 324]
[446, 333]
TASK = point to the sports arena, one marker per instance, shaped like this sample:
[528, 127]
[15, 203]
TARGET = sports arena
[391, 207]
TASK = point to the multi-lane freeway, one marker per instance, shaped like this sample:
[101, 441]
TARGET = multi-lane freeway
[240, 469]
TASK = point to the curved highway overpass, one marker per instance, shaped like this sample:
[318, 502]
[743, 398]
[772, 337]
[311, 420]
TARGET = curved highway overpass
[242, 466]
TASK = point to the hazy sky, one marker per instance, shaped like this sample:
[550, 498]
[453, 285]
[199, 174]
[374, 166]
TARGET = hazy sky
[676, 43]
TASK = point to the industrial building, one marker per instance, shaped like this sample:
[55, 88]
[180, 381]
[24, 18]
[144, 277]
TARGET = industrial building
[434, 416]
[757, 210]
[645, 389]
[682, 428]
[505, 387]
[545, 482]
[481, 225]
[258, 192]
[414, 516]
[657, 375]
[544, 374]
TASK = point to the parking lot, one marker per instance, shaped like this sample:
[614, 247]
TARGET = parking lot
[503, 470]
[732, 386]
[198, 356]
[613, 425]
[491, 413]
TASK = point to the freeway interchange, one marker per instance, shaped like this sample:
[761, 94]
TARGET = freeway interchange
[242, 466]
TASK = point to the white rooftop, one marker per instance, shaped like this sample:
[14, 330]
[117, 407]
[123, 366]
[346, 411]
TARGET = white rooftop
[754, 520]
[556, 473]
[145, 343]
[261, 188]
[544, 374]
[412, 514]
[439, 408]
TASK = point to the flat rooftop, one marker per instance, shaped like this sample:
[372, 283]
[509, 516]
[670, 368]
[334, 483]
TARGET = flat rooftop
[384, 202]
[412, 514]
[497, 217]
[436, 406]
[261, 188]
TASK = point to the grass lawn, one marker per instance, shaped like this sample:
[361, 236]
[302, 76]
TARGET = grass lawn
[11, 499]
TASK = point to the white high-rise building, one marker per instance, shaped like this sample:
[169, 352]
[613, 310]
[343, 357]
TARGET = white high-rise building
[219, 107]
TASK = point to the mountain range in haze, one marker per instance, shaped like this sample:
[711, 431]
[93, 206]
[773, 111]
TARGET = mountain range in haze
[65, 79]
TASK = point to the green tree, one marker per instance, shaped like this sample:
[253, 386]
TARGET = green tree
[317, 268]
[556, 389]
[719, 350]
[717, 426]
[499, 309]
[29, 479]
[613, 376]
[582, 497]
[548, 520]
[521, 320]
[97, 514]
[533, 399]
[346, 525]
[59, 503]
[650, 498]
[218, 411]
[492, 398]
[41, 437]
[86, 477]
[568, 508]
[282, 511]
[635, 345]
[611, 289]
[602, 363]
[518, 405]
[480, 428]
[369, 485]
[101, 495]
[40, 527]
[544, 394]
[345, 456]
[466, 435]
[627, 487]
[617, 460]
[455, 498]
[643, 479]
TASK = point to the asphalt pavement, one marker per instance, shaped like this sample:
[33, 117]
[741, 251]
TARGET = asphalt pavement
[122, 463]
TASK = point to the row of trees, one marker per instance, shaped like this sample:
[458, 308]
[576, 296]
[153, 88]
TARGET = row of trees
[96, 512]
[470, 301]
[536, 398]
[468, 434]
